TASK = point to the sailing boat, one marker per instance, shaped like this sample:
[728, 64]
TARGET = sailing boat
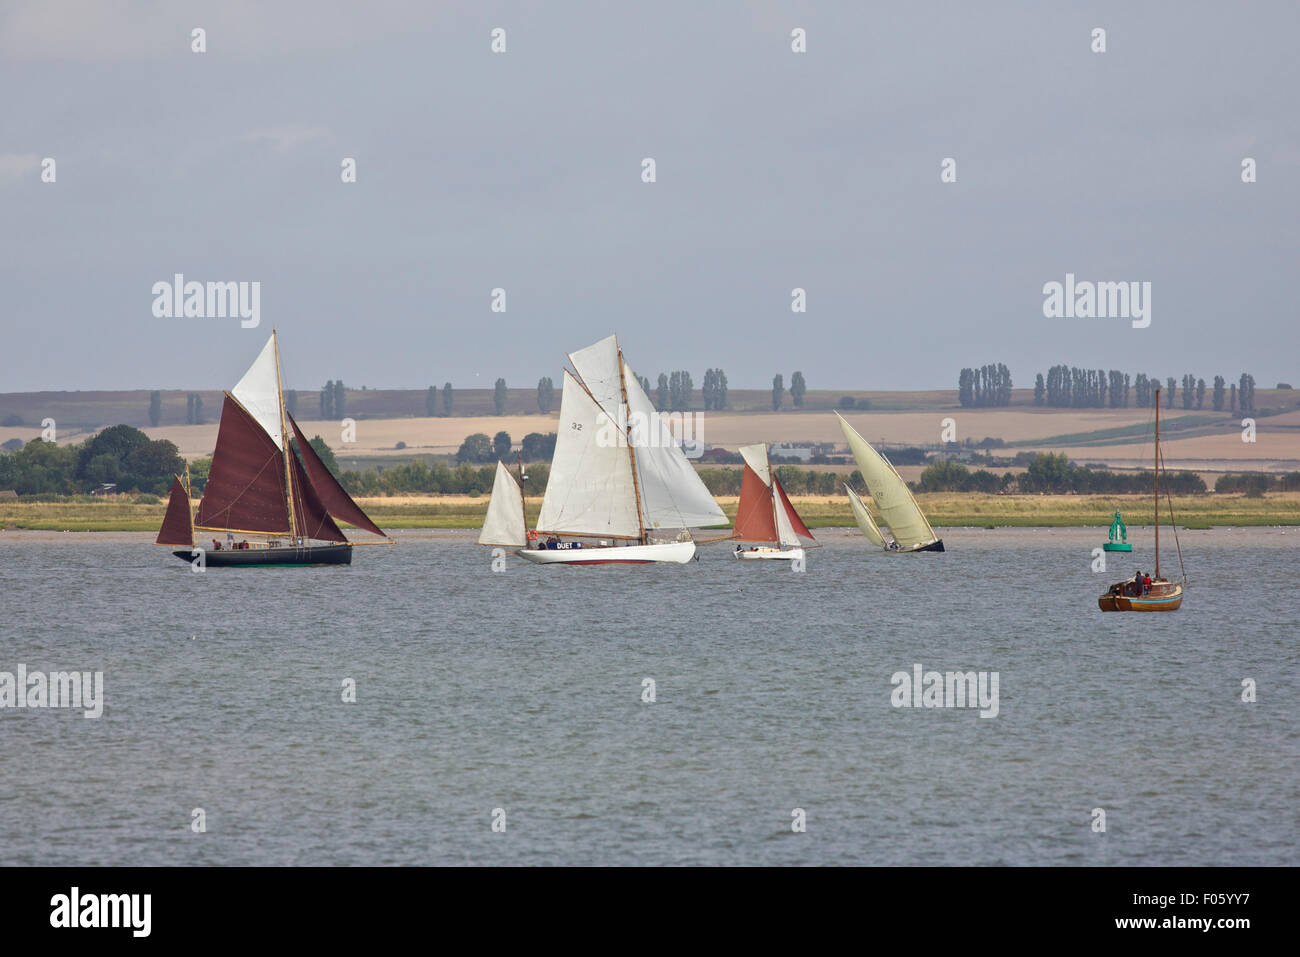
[257, 486]
[618, 475]
[908, 529]
[765, 513]
[1163, 595]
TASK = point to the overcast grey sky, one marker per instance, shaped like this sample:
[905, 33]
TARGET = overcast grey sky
[522, 170]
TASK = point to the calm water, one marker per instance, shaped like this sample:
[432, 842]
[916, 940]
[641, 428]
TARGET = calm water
[521, 690]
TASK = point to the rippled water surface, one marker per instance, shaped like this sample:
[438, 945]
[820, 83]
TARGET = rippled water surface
[521, 690]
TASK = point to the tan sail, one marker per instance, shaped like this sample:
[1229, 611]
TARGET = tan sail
[864, 519]
[907, 524]
[504, 524]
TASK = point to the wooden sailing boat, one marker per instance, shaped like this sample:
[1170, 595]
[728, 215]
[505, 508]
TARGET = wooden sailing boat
[765, 513]
[909, 531]
[1163, 595]
[258, 487]
[618, 476]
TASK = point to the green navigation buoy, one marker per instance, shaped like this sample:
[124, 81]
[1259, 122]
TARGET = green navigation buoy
[1118, 536]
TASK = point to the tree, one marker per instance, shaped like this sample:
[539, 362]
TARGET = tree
[662, 394]
[1232, 395]
[446, 398]
[1200, 393]
[966, 388]
[327, 401]
[1172, 392]
[720, 389]
[1040, 390]
[537, 447]
[155, 408]
[778, 392]
[1246, 393]
[340, 400]
[431, 401]
[475, 449]
[706, 390]
[501, 444]
[1189, 390]
[797, 389]
[1219, 393]
[545, 394]
[499, 396]
[645, 384]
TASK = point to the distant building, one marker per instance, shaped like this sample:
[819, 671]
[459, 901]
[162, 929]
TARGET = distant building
[7, 493]
[106, 488]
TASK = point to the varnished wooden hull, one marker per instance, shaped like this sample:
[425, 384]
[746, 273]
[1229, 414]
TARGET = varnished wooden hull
[1164, 596]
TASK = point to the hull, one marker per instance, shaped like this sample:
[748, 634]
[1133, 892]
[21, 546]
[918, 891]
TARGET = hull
[272, 557]
[1162, 597]
[678, 553]
[934, 546]
[770, 554]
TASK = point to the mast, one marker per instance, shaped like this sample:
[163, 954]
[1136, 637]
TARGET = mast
[1157, 483]
[284, 442]
[523, 506]
[631, 449]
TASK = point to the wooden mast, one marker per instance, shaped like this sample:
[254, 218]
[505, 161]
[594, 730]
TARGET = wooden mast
[284, 443]
[631, 449]
[1157, 483]
[523, 506]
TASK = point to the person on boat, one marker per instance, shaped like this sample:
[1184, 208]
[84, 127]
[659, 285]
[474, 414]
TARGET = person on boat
[1137, 584]
[1146, 584]
[216, 545]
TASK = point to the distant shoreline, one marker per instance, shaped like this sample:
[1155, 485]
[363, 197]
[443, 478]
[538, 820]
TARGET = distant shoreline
[944, 509]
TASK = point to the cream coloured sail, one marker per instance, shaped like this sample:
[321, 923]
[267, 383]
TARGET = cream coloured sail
[259, 392]
[672, 493]
[892, 497]
[865, 521]
[590, 489]
[755, 457]
[504, 524]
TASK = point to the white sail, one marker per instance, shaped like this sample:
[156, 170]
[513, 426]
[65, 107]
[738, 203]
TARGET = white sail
[259, 392]
[504, 524]
[672, 493]
[865, 521]
[597, 367]
[784, 530]
[892, 496]
[755, 457]
[590, 490]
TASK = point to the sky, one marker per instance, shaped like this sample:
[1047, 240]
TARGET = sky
[523, 171]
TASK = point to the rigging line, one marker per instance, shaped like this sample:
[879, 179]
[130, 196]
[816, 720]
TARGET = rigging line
[244, 489]
[1177, 544]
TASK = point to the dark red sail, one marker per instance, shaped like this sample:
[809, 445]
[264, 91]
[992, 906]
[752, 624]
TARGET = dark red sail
[245, 490]
[177, 528]
[795, 521]
[336, 499]
[309, 512]
[755, 521]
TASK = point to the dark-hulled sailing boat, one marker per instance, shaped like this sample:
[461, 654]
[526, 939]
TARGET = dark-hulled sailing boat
[258, 487]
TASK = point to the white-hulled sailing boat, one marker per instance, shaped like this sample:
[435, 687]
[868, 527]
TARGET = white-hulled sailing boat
[618, 476]
[909, 531]
[765, 513]
[258, 487]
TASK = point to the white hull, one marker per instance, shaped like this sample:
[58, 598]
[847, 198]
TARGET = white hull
[678, 553]
[770, 554]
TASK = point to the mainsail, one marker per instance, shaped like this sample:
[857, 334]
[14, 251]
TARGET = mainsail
[892, 496]
[589, 491]
[617, 468]
[504, 524]
[245, 491]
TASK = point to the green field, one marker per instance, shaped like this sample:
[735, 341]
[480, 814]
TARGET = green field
[944, 509]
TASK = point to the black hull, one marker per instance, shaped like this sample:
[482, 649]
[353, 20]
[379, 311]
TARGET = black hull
[933, 547]
[272, 557]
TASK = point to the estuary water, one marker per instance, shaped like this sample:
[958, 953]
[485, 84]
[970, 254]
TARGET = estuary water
[516, 696]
